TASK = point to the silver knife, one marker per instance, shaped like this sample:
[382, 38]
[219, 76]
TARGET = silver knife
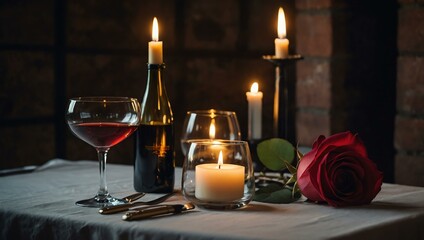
[148, 212]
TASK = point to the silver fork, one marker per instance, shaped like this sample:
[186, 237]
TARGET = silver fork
[126, 206]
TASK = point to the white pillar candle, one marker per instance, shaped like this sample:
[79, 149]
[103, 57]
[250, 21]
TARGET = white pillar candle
[155, 46]
[281, 43]
[218, 182]
[254, 99]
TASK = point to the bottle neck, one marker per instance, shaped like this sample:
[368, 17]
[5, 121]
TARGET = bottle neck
[154, 80]
[156, 108]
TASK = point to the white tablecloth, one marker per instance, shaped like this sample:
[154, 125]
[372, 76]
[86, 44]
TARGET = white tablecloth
[41, 205]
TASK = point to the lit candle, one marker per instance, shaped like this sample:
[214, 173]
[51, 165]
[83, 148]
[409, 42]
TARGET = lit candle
[254, 99]
[155, 46]
[281, 43]
[219, 182]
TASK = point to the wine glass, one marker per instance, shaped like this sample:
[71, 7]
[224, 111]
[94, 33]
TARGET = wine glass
[102, 122]
[211, 125]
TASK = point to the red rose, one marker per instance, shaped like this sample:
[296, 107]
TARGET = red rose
[338, 171]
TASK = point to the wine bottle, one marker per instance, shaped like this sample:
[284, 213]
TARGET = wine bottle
[154, 164]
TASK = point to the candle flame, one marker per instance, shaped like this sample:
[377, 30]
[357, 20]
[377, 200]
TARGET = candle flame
[212, 129]
[254, 88]
[220, 160]
[155, 30]
[281, 23]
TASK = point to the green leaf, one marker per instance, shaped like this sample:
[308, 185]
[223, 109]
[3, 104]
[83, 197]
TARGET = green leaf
[274, 152]
[283, 195]
[269, 187]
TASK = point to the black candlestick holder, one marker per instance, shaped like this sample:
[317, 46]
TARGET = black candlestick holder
[284, 103]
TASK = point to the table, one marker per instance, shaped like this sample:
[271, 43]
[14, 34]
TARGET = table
[40, 205]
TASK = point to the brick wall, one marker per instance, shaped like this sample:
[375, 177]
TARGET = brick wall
[409, 128]
[347, 79]
[26, 82]
[313, 89]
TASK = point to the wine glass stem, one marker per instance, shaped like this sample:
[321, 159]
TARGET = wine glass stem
[102, 154]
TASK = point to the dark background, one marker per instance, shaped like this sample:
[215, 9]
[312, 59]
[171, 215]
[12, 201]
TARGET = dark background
[362, 70]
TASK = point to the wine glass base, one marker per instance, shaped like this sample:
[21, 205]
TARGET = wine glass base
[98, 203]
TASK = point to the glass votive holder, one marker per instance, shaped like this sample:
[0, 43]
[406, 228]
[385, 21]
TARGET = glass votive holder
[218, 174]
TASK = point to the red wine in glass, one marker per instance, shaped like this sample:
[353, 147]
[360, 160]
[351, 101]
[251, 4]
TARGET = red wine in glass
[102, 122]
[102, 134]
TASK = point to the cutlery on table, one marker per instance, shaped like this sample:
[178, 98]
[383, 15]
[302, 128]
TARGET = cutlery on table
[133, 197]
[158, 210]
[126, 206]
[19, 170]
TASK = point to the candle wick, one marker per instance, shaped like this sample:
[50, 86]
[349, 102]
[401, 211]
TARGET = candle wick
[219, 166]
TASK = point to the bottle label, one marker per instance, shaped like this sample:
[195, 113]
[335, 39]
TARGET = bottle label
[154, 166]
[159, 150]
